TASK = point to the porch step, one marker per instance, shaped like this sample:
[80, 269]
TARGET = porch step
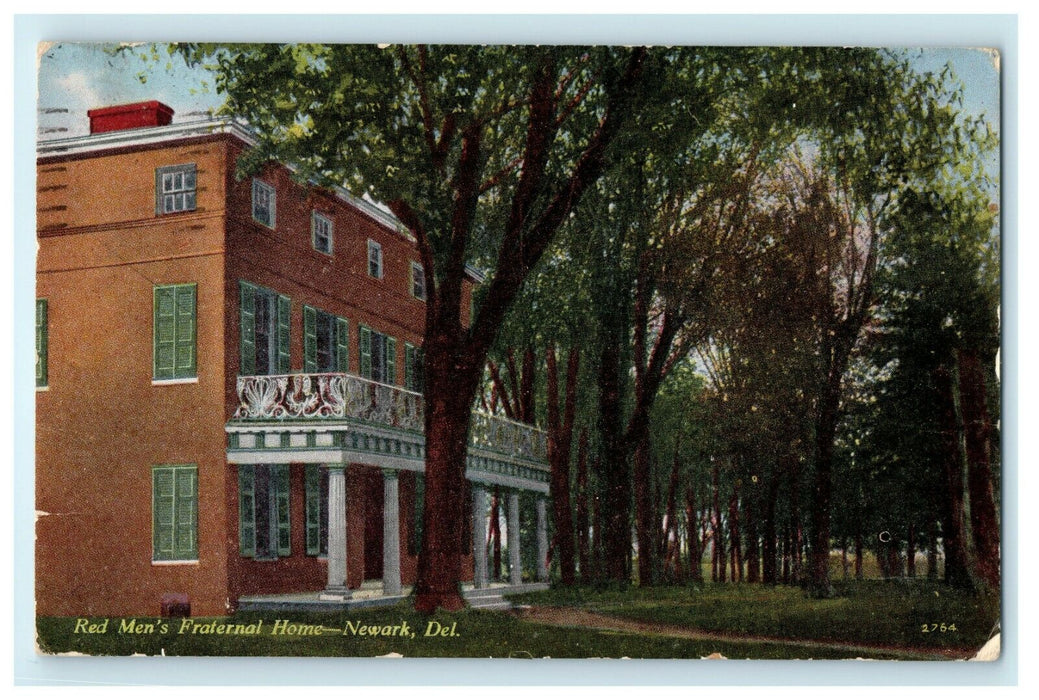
[493, 598]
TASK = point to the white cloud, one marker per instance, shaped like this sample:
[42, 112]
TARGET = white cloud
[79, 91]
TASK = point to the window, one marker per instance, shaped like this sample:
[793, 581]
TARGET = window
[321, 233]
[374, 259]
[418, 281]
[378, 356]
[173, 332]
[325, 341]
[175, 189]
[317, 510]
[41, 342]
[175, 512]
[263, 203]
[263, 511]
[264, 322]
[414, 374]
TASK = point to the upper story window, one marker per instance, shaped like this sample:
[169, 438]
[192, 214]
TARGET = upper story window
[374, 259]
[418, 281]
[414, 368]
[173, 334]
[378, 356]
[264, 330]
[263, 203]
[321, 233]
[325, 341]
[175, 188]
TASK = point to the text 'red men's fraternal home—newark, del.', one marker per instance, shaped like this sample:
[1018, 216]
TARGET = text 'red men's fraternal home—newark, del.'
[228, 381]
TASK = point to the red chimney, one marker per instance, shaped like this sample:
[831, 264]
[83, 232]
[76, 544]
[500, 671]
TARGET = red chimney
[132, 116]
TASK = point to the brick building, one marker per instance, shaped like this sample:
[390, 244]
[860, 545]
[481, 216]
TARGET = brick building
[228, 381]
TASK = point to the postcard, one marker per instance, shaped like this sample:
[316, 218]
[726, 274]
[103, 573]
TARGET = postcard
[518, 351]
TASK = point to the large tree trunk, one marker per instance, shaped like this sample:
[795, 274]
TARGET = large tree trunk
[669, 537]
[753, 555]
[735, 541]
[583, 559]
[977, 430]
[719, 535]
[560, 436]
[450, 388]
[769, 534]
[911, 551]
[958, 565]
[826, 430]
[693, 535]
[645, 530]
[858, 556]
[615, 472]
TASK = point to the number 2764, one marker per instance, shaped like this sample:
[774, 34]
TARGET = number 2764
[927, 628]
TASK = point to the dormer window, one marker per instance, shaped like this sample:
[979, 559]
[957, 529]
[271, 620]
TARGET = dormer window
[175, 189]
[374, 259]
[263, 203]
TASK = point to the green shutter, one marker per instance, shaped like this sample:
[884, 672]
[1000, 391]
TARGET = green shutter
[281, 482]
[185, 544]
[342, 345]
[41, 342]
[391, 360]
[185, 363]
[284, 317]
[409, 365]
[366, 352]
[309, 339]
[313, 501]
[174, 513]
[173, 337]
[247, 319]
[163, 497]
[165, 332]
[246, 510]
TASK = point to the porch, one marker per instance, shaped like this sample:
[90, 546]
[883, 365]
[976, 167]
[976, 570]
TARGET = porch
[341, 421]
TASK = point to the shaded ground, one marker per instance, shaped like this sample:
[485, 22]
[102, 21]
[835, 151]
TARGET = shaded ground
[570, 617]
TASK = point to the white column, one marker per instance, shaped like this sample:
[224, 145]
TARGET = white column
[542, 540]
[336, 589]
[479, 536]
[390, 533]
[515, 572]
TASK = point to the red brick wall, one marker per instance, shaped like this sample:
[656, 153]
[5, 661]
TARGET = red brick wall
[101, 423]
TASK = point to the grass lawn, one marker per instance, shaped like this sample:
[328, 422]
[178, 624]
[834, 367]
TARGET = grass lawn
[864, 612]
[888, 616]
[479, 634]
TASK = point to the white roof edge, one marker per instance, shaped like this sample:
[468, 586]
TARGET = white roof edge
[76, 145]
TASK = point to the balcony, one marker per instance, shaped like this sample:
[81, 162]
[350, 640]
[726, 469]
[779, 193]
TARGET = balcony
[342, 418]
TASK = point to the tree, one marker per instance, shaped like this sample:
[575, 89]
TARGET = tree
[481, 152]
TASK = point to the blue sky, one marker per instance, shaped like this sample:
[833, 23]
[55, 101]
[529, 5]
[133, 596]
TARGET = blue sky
[80, 76]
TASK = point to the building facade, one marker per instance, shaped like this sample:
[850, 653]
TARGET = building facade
[229, 376]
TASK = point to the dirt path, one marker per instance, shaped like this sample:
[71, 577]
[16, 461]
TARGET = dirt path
[575, 617]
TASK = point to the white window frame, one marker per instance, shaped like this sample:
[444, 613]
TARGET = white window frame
[418, 281]
[167, 175]
[317, 221]
[376, 248]
[261, 187]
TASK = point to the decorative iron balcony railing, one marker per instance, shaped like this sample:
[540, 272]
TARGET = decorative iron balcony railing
[337, 396]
